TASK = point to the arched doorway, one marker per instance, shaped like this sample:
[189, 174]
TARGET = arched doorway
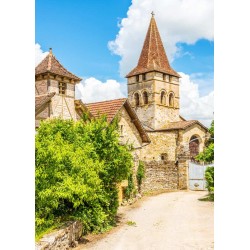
[194, 145]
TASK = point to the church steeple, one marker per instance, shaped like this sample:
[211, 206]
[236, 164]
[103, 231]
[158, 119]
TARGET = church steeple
[153, 86]
[153, 56]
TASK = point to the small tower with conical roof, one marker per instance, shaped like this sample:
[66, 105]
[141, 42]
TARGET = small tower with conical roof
[52, 77]
[153, 86]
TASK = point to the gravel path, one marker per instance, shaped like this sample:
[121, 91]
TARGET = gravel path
[176, 220]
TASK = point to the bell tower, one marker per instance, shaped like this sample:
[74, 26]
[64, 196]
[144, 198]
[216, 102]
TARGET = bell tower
[153, 86]
[52, 78]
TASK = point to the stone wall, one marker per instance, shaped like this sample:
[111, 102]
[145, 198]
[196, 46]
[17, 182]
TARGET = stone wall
[128, 131]
[62, 239]
[41, 87]
[164, 142]
[160, 175]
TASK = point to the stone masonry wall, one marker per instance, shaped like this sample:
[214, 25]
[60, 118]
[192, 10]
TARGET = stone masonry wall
[160, 175]
[41, 87]
[129, 133]
[62, 239]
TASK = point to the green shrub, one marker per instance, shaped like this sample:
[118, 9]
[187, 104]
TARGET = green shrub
[78, 165]
[207, 155]
[140, 174]
[209, 175]
[130, 189]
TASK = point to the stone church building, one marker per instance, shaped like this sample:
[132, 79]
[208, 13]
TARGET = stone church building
[149, 118]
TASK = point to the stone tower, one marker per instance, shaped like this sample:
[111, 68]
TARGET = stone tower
[153, 86]
[52, 77]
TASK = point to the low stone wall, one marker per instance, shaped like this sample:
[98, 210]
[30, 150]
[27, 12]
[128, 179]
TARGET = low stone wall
[160, 175]
[62, 239]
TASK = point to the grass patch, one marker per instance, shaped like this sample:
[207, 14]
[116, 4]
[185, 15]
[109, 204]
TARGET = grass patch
[131, 223]
[209, 197]
[51, 229]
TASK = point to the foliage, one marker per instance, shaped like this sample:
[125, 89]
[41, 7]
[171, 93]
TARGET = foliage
[131, 223]
[140, 174]
[130, 189]
[207, 155]
[78, 165]
[209, 175]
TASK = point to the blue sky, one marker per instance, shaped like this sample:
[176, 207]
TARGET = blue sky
[79, 32]
[100, 41]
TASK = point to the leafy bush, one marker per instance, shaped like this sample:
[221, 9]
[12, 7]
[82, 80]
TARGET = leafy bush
[140, 174]
[209, 175]
[207, 155]
[130, 189]
[78, 165]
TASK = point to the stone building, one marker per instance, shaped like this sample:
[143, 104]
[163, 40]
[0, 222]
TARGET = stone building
[149, 118]
[153, 91]
[55, 97]
[54, 90]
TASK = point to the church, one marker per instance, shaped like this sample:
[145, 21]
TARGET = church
[149, 118]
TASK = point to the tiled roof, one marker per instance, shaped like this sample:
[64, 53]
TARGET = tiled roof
[52, 65]
[153, 56]
[112, 107]
[42, 99]
[181, 125]
[109, 108]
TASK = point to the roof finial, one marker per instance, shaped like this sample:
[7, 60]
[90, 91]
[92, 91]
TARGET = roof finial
[152, 13]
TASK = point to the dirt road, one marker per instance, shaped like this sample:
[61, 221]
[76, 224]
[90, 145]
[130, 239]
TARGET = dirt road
[174, 221]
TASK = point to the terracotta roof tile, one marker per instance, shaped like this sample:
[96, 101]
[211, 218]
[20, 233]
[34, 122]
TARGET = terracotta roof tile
[153, 56]
[110, 108]
[52, 65]
[42, 99]
[180, 125]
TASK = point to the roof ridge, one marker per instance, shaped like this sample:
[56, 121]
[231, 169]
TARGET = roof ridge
[125, 98]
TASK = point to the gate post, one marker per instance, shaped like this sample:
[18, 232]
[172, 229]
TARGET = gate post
[183, 172]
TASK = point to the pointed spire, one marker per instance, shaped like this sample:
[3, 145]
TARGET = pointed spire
[50, 56]
[153, 56]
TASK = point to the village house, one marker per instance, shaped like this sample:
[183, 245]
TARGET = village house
[55, 97]
[149, 118]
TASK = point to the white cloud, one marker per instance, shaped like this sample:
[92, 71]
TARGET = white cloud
[192, 105]
[177, 20]
[93, 90]
[39, 54]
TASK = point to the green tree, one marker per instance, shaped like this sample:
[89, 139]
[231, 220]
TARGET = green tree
[207, 155]
[209, 175]
[78, 165]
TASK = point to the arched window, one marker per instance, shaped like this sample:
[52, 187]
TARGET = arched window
[145, 97]
[137, 101]
[194, 146]
[163, 98]
[171, 100]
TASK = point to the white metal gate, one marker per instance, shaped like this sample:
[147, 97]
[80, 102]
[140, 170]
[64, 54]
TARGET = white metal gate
[196, 175]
